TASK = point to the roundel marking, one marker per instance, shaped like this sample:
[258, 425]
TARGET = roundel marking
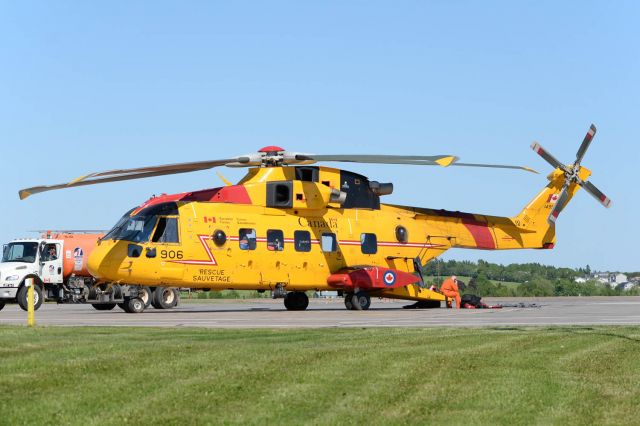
[389, 278]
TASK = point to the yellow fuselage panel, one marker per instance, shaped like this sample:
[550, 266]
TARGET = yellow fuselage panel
[198, 262]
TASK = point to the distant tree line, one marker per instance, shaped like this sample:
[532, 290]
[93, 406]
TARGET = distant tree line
[533, 279]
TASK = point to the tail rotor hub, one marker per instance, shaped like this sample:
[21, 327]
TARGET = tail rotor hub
[572, 176]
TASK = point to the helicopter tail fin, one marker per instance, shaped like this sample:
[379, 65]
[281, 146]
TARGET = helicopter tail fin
[539, 215]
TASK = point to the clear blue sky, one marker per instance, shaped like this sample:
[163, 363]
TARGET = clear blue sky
[90, 86]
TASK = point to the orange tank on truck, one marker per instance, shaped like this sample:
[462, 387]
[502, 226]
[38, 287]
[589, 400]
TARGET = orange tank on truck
[76, 250]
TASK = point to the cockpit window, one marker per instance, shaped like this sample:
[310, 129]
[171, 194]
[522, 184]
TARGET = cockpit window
[20, 252]
[162, 209]
[166, 231]
[138, 228]
[114, 231]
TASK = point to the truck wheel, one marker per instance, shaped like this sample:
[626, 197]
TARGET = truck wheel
[145, 294]
[134, 306]
[163, 298]
[23, 294]
[103, 306]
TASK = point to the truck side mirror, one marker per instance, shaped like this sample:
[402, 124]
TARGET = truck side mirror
[41, 253]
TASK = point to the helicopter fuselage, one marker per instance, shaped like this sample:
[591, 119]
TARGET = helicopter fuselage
[296, 227]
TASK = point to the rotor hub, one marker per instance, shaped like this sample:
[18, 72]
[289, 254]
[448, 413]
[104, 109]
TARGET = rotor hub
[572, 172]
[271, 156]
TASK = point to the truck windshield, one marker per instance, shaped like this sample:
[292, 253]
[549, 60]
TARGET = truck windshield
[20, 252]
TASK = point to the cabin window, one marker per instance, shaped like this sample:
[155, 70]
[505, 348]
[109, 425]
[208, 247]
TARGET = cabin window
[401, 234]
[302, 241]
[275, 240]
[166, 231]
[219, 237]
[247, 239]
[368, 243]
[329, 242]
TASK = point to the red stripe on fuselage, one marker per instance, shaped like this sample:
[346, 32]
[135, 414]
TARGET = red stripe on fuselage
[480, 233]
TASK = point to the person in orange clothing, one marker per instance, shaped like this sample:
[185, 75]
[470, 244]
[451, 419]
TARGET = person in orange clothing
[450, 289]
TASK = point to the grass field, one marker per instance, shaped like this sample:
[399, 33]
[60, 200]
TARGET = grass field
[437, 376]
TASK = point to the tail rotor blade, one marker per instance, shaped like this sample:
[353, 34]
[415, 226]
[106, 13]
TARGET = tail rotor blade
[548, 157]
[585, 143]
[559, 206]
[596, 193]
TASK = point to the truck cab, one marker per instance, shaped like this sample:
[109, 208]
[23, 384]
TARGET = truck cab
[39, 259]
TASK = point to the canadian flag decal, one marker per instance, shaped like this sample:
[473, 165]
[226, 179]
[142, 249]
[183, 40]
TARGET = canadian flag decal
[553, 198]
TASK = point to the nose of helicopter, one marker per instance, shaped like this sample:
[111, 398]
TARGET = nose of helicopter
[98, 261]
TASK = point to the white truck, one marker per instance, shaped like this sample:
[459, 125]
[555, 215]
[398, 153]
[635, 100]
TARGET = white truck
[57, 263]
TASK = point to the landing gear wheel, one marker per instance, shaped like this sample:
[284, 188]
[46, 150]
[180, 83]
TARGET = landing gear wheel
[361, 301]
[296, 301]
[347, 301]
[23, 294]
[176, 293]
[134, 306]
[145, 294]
[103, 306]
[163, 298]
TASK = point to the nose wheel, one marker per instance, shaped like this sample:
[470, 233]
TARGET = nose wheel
[359, 301]
[296, 301]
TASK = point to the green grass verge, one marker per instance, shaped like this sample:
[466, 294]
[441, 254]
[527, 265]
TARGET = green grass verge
[101, 376]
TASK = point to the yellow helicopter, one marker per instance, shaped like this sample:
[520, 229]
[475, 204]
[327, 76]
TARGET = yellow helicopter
[290, 226]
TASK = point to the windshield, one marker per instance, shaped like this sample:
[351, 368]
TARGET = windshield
[20, 252]
[114, 231]
[138, 228]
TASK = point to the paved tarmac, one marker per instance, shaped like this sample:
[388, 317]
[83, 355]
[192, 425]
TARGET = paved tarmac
[266, 313]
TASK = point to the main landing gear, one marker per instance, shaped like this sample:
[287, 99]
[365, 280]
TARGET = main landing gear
[296, 301]
[359, 301]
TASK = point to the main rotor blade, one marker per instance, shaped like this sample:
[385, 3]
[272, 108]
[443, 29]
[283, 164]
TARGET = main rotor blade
[548, 157]
[191, 166]
[126, 174]
[559, 206]
[435, 160]
[596, 193]
[585, 143]
[496, 166]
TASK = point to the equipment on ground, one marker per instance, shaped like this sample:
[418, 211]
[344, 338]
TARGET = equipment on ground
[291, 226]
